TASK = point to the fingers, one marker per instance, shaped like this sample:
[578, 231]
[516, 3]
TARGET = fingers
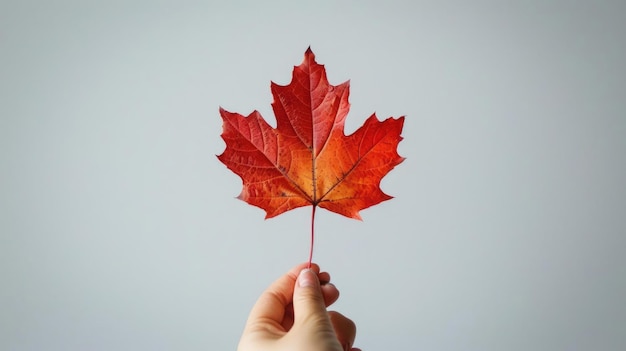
[308, 300]
[310, 313]
[270, 307]
[345, 329]
[330, 293]
[274, 310]
[294, 306]
[324, 277]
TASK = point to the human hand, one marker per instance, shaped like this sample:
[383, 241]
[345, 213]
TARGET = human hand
[291, 315]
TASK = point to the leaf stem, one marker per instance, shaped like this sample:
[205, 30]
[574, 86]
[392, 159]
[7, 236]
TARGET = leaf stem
[312, 235]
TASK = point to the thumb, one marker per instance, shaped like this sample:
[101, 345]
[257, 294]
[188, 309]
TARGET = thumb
[308, 302]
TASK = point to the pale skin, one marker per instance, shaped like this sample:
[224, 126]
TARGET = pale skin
[291, 315]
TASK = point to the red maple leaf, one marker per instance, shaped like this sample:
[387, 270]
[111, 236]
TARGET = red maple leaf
[307, 159]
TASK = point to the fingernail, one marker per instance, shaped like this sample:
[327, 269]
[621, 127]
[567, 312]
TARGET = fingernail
[307, 278]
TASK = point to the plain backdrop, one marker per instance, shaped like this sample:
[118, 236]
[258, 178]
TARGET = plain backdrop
[119, 228]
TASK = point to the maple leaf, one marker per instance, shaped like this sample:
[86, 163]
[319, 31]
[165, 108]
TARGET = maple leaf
[307, 159]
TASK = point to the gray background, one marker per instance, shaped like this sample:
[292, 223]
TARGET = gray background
[119, 229]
